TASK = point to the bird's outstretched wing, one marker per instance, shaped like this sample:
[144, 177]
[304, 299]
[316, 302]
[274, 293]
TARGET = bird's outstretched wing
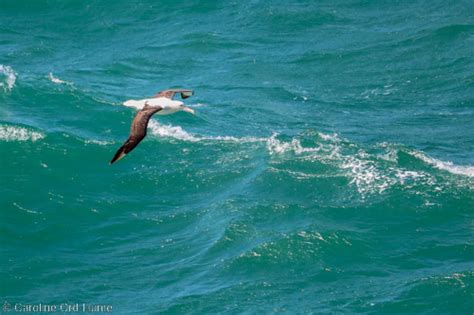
[137, 131]
[171, 93]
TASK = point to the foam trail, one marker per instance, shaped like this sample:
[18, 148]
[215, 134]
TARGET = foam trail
[14, 133]
[10, 75]
[179, 133]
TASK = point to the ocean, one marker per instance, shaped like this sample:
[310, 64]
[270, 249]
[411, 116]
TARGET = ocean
[329, 168]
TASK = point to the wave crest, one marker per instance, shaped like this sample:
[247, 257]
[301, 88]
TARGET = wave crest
[446, 166]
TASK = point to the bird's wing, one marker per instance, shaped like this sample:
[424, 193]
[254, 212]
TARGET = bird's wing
[171, 93]
[137, 131]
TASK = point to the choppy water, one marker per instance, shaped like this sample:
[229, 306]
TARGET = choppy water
[329, 169]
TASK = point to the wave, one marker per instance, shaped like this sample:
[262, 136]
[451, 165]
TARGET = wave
[330, 148]
[15, 133]
[446, 166]
[339, 158]
[8, 82]
[372, 170]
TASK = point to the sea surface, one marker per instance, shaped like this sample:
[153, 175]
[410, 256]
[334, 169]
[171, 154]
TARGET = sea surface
[329, 167]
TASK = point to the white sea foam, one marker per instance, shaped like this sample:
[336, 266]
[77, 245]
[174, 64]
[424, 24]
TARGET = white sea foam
[171, 131]
[334, 137]
[8, 82]
[365, 175]
[296, 174]
[384, 91]
[446, 166]
[99, 142]
[15, 133]
[179, 133]
[358, 166]
[235, 139]
[276, 146]
[56, 80]
[369, 172]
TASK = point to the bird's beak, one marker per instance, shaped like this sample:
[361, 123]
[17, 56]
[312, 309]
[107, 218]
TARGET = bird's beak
[189, 110]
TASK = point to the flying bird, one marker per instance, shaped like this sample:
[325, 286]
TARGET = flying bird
[161, 103]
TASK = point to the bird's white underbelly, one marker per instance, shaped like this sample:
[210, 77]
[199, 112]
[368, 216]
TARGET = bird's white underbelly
[167, 111]
[169, 106]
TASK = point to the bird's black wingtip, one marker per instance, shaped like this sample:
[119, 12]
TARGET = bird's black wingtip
[119, 155]
[186, 94]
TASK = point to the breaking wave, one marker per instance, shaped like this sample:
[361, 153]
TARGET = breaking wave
[371, 170]
[446, 166]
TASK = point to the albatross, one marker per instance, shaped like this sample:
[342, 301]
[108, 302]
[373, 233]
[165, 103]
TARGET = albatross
[161, 103]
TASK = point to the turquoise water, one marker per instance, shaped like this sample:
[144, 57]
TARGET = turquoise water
[329, 168]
